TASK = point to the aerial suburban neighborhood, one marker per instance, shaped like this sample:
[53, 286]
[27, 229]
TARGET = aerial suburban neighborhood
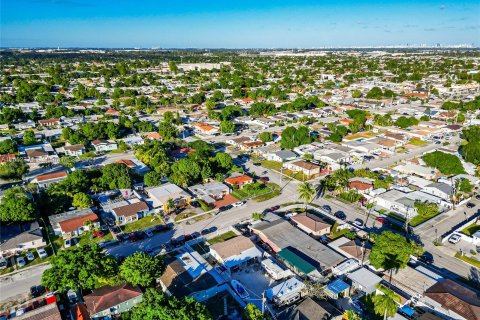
[240, 184]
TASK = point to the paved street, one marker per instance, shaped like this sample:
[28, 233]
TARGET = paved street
[16, 285]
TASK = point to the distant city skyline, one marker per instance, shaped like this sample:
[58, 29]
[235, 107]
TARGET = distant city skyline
[246, 24]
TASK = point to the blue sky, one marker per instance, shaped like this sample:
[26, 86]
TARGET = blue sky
[236, 24]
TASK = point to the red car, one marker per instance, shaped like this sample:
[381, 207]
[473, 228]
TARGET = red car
[264, 179]
[380, 220]
[98, 233]
[274, 208]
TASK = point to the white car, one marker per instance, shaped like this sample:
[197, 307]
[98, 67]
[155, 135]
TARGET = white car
[21, 261]
[454, 238]
[68, 243]
[3, 263]
[30, 256]
[238, 204]
[42, 253]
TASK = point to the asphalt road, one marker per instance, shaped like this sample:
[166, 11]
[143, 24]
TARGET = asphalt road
[18, 284]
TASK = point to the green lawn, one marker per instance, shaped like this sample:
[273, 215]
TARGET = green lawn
[267, 196]
[144, 223]
[417, 142]
[275, 165]
[335, 234]
[222, 237]
[415, 221]
[473, 261]
[185, 214]
[251, 190]
[471, 229]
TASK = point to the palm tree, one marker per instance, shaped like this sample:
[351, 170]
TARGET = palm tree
[170, 205]
[350, 315]
[306, 192]
[386, 303]
[392, 263]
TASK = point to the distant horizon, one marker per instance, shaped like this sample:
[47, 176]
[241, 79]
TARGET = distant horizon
[232, 25]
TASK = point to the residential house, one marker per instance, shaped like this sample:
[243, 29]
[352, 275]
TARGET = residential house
[451, 300]
[251, 145]
[238, 181]
[362, 185]
[282, 156]
[74, 150]
[49, 122]
[159, 196]
[133, 140]
[238, 141]
[131, 212]
[413, 281]
[39, 154]
[363, 280]
[356, 249]
[4, 158]
[72, 224]
[186, 275]
[421, 171]
[307, 168]
[312, 224]
[210, 192]
[109, 301]
[104, 145]
[43, 181]
[286, 292]
[20, 237]
[205, 129]
[311, 309]
[439, 189]
[235, 251]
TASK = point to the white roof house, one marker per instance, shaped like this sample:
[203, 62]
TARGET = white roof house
[160, 195]
[411, 168]
[287, 290]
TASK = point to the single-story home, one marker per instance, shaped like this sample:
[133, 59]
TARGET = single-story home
[104, 145]
[282, 156]
[45, 180]
[74, 223]
[235, 251]
[210, 192]
[238, 181]
[160, 195]
[310, 309]
[108, 301]
[130, 212]
[312, 224]
[363, 280]
[362, 185]
[20, 237]
[307, 168]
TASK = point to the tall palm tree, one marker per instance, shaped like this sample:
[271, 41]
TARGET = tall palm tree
[306, 192]
[350, 315]
[386, 303]
[390, 264]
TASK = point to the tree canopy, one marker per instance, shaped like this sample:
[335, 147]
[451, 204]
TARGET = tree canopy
[142, 269]
[16, 206]
[445, 163]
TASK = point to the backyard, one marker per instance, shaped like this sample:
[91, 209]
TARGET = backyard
[251, 190]
[143, 223]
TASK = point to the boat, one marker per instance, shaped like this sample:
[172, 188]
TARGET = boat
[239, 289]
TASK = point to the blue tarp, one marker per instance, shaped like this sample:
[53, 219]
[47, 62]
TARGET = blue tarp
[407, 310]
[337, 286]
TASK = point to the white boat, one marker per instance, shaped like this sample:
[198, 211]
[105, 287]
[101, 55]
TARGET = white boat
[239, 289]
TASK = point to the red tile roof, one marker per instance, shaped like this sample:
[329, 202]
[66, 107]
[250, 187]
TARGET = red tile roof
[128, 163]
[359, 185]
[75, 223]
[311, 221]
[109, 296]
[7, 157]
[52, 176]
[238, 179]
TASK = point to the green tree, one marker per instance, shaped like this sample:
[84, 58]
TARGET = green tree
[16, 206]
[173, 66]
[227, 126]
[29, 138]
[375, 93]
[115, 176]
[446, 163]
[82, 200]
[142, 269]
[224, 160]
[185, 172]
[68, 161]
[288, 138]
[465, 186]
[405, 122]
[386, 304]
[392, 251]
[350, 315]
[86, 267]
[152, 179]
[13, 169]
[356, 94]
[251, 312]
[158, 306]
[265, 136]
[167, 130]
[8, 146]
[306, 192]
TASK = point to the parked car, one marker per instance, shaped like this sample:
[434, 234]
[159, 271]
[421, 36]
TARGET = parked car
[381, 220]
[238, 204]
[72, 296]
[358, 223]
[98, 233]
[264, 179]
[3, 263]
[477, 197]
[340, 215]
[21, 261]
[327, 208]
[478, 249]
[30, 256]
[454, 238]
[274, 208]
[225, 208]
[37, 291]
[161, 227]
[470, 205]
[426, 257]
[257, 164]
[68, 243]
[209, 230]
[116, 230]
